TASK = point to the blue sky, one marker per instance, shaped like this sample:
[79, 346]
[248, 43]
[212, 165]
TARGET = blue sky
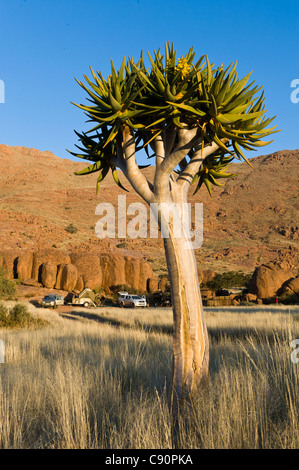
[44, 44]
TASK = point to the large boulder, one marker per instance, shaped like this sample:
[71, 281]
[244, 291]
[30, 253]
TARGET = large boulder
[69, 277]
[9, 262]
[137, 273]
[268, 278]
[132, 272]
[291, 286]
[48, 275]
[24, 265]
[89, 267]
[47, 256]
[125, 270]
[164, 284]
[79, 285]
[58, 284]
[206, 275]
[113, 271]
[152, 284]
[146, 272]
[250, 297]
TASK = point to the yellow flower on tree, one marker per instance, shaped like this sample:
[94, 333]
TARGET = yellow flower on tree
[183, 66]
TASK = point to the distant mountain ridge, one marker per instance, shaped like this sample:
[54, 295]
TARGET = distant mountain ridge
[252, 219]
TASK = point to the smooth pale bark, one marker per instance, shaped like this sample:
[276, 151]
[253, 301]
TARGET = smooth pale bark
[190, 338]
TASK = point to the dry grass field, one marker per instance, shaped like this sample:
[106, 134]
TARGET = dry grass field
[98, 378]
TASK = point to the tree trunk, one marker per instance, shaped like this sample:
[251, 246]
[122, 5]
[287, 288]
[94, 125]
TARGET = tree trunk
[190, 338]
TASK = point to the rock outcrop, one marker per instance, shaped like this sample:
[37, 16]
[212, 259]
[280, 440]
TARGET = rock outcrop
[48, 275]
[267, 279]
[89, 267]
[69, 277]
[291, 286]
[73, 272]
[206, 275]
[47, 256]
[250, 298]
[152, 285]
[164, 284]
[145, 273]
[24, 265]
[8, 262]
[113, 271]
[59, 275]
[80, 285]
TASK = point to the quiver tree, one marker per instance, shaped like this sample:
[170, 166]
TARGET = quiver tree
[194, 118]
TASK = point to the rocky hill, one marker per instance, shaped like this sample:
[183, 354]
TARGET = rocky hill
[251, 220]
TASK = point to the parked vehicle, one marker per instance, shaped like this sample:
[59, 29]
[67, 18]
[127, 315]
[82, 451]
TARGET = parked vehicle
[128, 300]
[52, 300]
[160, 299]
[84, 299]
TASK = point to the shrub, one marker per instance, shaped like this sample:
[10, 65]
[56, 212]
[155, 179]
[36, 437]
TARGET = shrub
[18, 317]
[122, 245]
[122, 288]
[229, 279]
[288, 299]
[7, 287]
[71, 228]
[3, 313]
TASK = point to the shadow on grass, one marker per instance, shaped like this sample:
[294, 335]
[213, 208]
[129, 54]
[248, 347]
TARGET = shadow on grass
[216, 335]
[35, 303]
[76, 315]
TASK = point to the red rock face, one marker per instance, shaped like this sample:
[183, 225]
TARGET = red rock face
[69, 277]
[267, 279]
[245, 223]
[58, 284]
[60, 270]
[80, 285]
[207, 275]
[24, 265]
[153, 285]
[291, 286]
[164, 284]
[146, 272]
[89, 267]
[113, 270]
[45, 256]
[8, 260]
[48, 275]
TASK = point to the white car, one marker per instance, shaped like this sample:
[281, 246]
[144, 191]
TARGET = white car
[128, 300]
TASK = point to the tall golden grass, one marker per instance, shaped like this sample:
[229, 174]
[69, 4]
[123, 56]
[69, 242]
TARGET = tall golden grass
[99, 379]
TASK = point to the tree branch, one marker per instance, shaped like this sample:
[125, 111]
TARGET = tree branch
[187, 139]
[131, 170]
[186, 176]
[159, 146]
